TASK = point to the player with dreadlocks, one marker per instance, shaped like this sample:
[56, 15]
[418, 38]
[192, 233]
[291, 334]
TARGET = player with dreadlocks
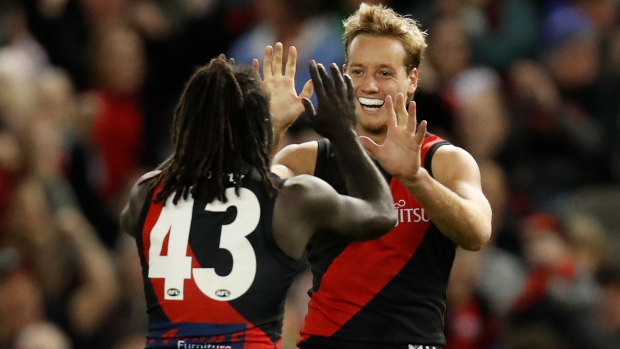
[219, 235]
[237, 138]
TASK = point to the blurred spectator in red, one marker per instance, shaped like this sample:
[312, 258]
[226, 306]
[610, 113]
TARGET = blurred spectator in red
[558, 297]
[21, 302]
[470, 323]
[117, 128]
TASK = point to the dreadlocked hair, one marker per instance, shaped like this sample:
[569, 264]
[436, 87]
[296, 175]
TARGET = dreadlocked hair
[221, 126]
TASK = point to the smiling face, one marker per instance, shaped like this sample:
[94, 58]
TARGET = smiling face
[377, 66]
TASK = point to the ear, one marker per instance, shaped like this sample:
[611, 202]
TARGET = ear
[413, 82]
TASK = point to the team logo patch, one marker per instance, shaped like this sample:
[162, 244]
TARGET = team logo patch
[222, 293]
[173, 292]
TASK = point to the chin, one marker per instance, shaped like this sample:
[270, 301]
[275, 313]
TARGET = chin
[372, 124]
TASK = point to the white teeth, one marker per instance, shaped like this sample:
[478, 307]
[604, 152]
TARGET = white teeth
[370, 102]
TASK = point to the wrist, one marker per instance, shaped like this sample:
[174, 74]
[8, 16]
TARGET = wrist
[413, 180]
[342, 136]
[280, 127]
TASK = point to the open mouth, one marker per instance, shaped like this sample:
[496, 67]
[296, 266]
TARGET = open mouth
[370, 104]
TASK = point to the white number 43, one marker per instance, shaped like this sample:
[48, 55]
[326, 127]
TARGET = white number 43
[176, 266]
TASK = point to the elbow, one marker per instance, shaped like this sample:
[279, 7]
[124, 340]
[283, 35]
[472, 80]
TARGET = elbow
[387, 218]
[377, 226]
[383, 224]
[478, 240]
[391, 219]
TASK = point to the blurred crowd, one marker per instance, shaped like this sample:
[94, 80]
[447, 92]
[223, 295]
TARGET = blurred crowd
[530, 88]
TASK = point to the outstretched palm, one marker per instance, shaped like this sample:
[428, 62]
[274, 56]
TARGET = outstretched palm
[285, 104]
[399, 154]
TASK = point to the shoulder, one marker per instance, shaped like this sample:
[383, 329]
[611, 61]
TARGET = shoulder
[449, 152]
[307, 198]
[296, 159]
[135, 202]
[304, 192]
[451, 162]
[303, 149]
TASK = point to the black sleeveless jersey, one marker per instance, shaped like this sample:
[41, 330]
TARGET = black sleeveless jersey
[213, 274]
[389, 292]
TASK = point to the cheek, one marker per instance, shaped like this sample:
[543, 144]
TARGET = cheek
[402, 86]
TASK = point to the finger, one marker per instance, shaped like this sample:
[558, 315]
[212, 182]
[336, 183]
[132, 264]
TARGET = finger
[350, 90]
[392, 121]
[308, 89]
[401, 112]
[412, 119]
[267, 73]
[255, 67]
[277, 59]
[222, 57]
[421, 132]
[369, 145]
[316, 80]
[291, 63]
[328, 84]
[309, 107]
[231, 61]
[338, 80]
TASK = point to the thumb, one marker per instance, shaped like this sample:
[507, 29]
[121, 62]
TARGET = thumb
[369, 145]
[308, 89]
[308, 106]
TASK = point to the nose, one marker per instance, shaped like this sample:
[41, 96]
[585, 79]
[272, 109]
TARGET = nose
[368, 84]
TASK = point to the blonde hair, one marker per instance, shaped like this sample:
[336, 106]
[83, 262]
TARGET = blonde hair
[380, 20]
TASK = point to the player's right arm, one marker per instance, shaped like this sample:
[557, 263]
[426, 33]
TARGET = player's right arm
[306, 204]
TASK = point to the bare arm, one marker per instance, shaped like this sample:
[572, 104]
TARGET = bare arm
[295, 159]
[453, 199]
[306, 204]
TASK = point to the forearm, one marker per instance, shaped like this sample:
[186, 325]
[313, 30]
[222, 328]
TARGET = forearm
[466, 222]
[279, 130]
[362, 178]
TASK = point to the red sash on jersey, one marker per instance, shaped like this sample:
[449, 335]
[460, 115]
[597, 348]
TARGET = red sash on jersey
[364, 268]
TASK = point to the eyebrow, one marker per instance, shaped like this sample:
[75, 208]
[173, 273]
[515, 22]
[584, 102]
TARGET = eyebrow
[381, 66]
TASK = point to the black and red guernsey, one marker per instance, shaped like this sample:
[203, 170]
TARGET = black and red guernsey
[213, 274]
[388, 292]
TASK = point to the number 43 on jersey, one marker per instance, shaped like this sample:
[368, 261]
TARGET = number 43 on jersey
[175, 267]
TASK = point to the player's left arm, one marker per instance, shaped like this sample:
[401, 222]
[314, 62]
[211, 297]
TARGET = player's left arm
[453, 199]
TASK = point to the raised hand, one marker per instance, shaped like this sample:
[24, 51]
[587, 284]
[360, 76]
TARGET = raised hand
[336, 110]
[285, 105]
[399, 154]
